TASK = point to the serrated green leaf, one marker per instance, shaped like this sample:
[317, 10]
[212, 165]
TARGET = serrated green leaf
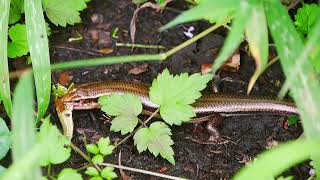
[235, 35]
[126, 107]
[257, 36]
[69, 174]
[19, 45]
[4, 70]
[157, 139]
[306, 17]
[91, 171]
[108, 173]
[63, 12]
[175, 93]
[92, 148]
[39, 53]
[212, 10]
[5, 139]
[97, 159]
[16, 8]
[58, 150]
[104, 146]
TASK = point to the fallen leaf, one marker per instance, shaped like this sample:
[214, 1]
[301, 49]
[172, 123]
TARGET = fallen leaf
[65, 78]
[205, 68]
[105, 50]
[233, 63]
[138, 69]
[163, 169]
[133, 27]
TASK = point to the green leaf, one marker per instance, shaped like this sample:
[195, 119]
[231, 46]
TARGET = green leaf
[306, 17]
[4, 71]
[19, 45]
[92, 148]
[69, 174]
[126, 107]
[96, 178]
[2, 171]
[16, 9]
[108, 173]
[5, 139]
[97, 159]
[104, 146]
[63, 12]
[257, 36]
[23, 127]
[174, 94]
[91, 171]
[58, 150]
[235, 35]
[212, 10]
[39, 53]
[292, 120]
[157, 139]
[273, 162]
[301, 76]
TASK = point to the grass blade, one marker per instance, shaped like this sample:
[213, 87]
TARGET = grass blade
[234, 37]
[23, 128]
[212, 10]
[4, 71]
[39, 52]
[257, 36]
[273, 162]
[304, 86]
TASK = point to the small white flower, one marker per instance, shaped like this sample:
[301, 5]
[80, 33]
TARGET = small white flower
[189, 33]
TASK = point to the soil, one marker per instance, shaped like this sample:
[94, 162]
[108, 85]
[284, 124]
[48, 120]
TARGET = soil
[195, 159]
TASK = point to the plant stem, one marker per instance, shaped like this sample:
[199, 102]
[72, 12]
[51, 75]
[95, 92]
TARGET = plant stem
[192, 40]
[141, 126]
[142, 171]
[140, 46]
[76, 149]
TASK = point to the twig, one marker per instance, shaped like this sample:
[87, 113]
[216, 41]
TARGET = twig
[140, 46]
[82, 154]
[143, 171]
[133, 132]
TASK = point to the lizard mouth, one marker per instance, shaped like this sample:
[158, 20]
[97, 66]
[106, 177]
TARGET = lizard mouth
[85, 104]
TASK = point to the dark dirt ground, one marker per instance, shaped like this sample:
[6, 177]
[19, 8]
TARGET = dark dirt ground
[250, 135]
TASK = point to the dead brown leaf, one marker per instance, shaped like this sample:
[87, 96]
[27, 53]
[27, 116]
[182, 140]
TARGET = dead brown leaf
[105, 50]
[133, 27]
[233, 63]
[65, 78]
[138, 69]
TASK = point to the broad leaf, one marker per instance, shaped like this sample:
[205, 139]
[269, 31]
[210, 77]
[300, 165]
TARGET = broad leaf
[69, 174]
[19, 45]
[174, 94]
[63, 12]
[157, 139]
[125, 107]
[108, 173]
[57, 150]
[105, 147]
